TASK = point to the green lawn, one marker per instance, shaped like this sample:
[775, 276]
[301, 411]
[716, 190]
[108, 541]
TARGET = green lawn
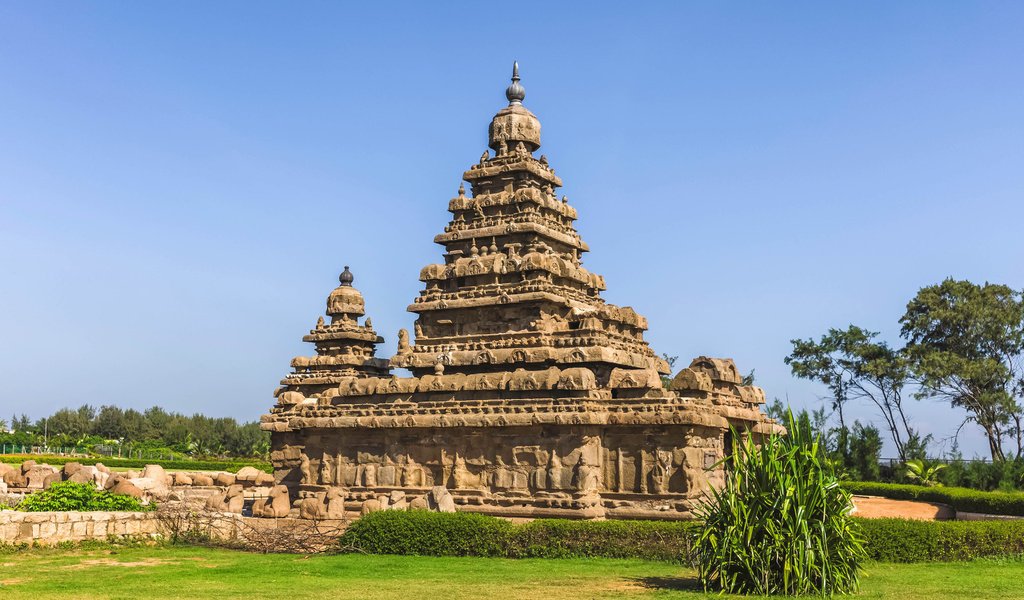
[177, 572]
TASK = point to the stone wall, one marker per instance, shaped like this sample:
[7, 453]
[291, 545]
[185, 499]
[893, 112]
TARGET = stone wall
[50, 528]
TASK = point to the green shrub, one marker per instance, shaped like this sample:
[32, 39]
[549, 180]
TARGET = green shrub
[421, 532]
[781, 524]
[69, 495]
[904, 541]
[561, 538]
[962, 499]
[467, 534]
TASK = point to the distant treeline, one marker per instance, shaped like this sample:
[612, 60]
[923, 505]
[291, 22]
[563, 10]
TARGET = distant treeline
[109, 429]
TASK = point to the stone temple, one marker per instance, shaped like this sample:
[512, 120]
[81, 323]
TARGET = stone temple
[529, 395]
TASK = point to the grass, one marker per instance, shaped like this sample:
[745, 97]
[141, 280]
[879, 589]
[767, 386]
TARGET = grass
[176, 572]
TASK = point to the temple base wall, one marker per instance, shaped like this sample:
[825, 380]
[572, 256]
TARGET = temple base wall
[566, 471]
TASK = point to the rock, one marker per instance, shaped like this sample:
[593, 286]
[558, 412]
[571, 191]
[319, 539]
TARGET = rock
[102, 468]
[368, 507]
[418, 503]
[81, 476]
[71, 468]
[202, 479]
[155, 472]
[265, 479]
[131, 474]
[155, 487]
[51, 479]
[3, 487]
[247, 475]
[5, 469]
[441, 499]
[224, 479]
[37, 476]
[27, 466]
[112, 480]
[182, 479]
[127, 488]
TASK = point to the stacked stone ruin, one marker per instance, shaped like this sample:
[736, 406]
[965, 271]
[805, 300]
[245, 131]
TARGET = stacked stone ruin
[529, 395]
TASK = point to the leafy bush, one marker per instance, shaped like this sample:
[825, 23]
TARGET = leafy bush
[131, 463]
[905, 541]
[468, 534]
[962, 499]
[69, 495]
[781, 524]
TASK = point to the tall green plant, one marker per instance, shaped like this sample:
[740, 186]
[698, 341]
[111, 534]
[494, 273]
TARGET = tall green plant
[781, 524]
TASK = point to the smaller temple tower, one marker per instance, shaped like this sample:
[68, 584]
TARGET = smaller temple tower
[344, 347]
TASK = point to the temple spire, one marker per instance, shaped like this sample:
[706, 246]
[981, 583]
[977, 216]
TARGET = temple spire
[515, 92]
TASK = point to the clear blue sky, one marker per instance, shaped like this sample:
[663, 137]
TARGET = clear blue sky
[181, 184]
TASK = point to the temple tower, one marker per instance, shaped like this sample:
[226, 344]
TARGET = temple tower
[529, 396]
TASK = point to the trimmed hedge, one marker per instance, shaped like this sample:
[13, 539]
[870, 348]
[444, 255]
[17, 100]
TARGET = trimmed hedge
[904, 541]
[426, 533]
[962, 499]
[133, 463]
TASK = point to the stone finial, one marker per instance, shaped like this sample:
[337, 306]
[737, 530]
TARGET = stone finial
[346, 277]
[515, 92]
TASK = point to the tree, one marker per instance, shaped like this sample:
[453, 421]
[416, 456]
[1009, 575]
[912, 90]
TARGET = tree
[856, 366]
[965, 343]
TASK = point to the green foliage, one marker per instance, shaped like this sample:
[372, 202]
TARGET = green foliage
[965, 344]
[906, 541]
[133, 431]
[781, 524]
[467, 534]
[1006, 475]
[921, 472]
[961, 499]
[855, 366]
[69, 495]
[126, 463]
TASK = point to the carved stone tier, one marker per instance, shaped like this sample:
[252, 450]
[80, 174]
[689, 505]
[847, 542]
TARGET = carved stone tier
[529, 396]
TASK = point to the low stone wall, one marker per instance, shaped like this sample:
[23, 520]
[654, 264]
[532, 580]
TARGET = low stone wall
[50, 528]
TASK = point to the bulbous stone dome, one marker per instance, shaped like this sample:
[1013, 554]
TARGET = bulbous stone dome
[514, 123]
[345, 299]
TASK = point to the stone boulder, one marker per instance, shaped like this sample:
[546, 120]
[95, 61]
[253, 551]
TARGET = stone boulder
[182, 479]
[265, 479]
[247, 475]
[102, 468]
[224, 479]
[202, 479]
[127, 488]
[70, 469]
[418, 503]
[156, 473]
[40, 475]
[27, 466]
